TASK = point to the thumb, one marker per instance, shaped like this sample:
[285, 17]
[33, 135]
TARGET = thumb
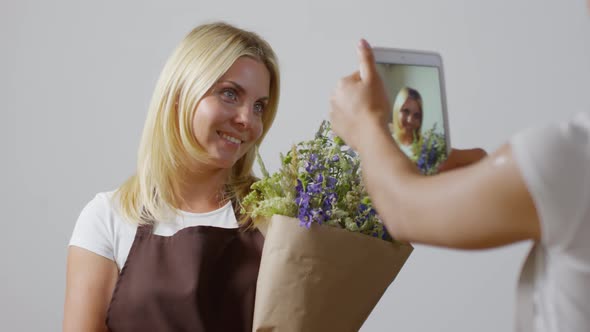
[367, 61]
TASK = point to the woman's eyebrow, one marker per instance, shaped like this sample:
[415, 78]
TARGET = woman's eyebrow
[236, 85]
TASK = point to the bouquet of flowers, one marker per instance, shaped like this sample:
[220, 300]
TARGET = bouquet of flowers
[431, 151]
[319, 182]
[327, 257]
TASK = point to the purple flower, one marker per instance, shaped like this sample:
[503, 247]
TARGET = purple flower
[314, 188]
[302, 200]
[318, 216]
[331, 182]
[421, 165]
[363, 208]
[313, 158]
[304, 217]
[312, 164]
[432, 157]
[364, 212]
[299, 187]
[319, 178]
[329, 200]
[422, 160]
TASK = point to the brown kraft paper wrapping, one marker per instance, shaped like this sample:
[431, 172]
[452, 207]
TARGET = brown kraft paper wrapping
[321, 279]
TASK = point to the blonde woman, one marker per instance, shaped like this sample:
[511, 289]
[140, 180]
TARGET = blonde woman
[407, 119]
[166, 251]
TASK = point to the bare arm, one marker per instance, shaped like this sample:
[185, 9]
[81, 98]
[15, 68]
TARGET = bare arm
[461, 158]
[482, 205]
[90, 280]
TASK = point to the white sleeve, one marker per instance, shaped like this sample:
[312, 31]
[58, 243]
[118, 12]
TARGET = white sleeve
[555, 164]
[93, 230]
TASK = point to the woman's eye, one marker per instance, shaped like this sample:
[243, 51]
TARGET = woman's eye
[259, 108]
[229, 94]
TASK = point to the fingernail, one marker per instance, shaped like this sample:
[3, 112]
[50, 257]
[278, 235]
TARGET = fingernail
[364, 44]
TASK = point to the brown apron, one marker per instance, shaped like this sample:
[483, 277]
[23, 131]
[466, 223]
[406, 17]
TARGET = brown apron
[200, 279]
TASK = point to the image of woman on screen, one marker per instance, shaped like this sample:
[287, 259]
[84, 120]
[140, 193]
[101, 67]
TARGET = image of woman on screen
[407, 120]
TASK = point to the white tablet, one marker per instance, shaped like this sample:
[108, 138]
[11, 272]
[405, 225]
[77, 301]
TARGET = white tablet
[418, 120]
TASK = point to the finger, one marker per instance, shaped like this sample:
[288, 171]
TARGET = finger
[470, 156]
[345, 81]
[460, 158]
[356, 76]
[367, 61]
[333, 115]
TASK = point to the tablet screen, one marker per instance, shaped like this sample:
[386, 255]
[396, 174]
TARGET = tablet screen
[417, 116]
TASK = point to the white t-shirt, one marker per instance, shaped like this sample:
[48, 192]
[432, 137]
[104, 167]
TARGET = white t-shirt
[101, 229]
[554, 288]
[408, 150]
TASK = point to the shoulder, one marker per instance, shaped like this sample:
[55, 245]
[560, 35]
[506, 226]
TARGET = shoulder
[102, 208]
[553, 161]
[97, 225]
[560, 147]
[101, 202]
[569, 138]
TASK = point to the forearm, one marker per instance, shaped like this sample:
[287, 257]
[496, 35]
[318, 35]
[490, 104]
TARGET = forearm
[386, 172]
[479, 206]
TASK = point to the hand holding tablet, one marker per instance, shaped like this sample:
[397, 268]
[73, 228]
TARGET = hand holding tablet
[404, 91]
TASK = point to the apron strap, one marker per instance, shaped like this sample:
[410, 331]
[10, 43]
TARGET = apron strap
[145, 229]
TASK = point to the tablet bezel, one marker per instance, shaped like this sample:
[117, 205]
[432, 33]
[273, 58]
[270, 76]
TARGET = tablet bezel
[419, 58]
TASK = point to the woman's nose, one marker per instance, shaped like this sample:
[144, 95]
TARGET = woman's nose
[245, 116]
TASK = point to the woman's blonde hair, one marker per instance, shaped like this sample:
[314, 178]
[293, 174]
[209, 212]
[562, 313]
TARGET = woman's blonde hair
[168, 145]
[402, 96]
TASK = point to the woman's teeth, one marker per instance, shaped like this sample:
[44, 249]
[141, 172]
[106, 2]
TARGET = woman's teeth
[229, 138]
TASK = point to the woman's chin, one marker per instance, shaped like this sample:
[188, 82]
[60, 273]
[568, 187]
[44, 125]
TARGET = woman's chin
[223, 159]
[223, 162]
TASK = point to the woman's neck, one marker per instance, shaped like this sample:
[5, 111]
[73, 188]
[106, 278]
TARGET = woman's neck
[406, 138]
[203, 191]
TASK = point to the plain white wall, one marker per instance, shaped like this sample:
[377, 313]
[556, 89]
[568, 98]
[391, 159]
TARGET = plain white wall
[76, 78]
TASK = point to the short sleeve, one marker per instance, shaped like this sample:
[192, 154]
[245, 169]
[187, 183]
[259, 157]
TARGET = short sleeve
[555, 164]
[93, 230]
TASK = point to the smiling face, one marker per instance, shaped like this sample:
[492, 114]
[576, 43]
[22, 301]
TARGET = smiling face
[228, 119]
[410, 117]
